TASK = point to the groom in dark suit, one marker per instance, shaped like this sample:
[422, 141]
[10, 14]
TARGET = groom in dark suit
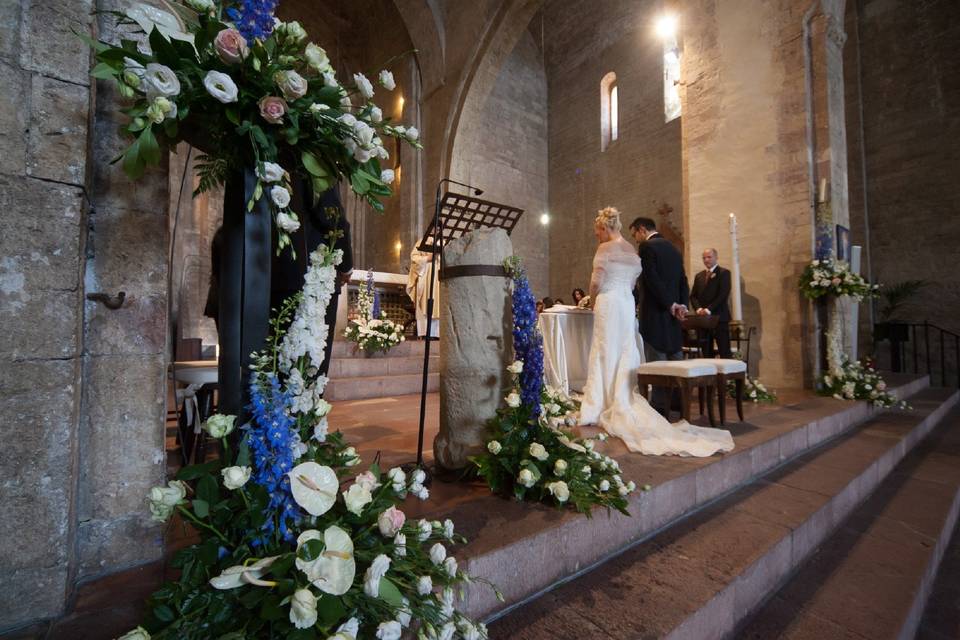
[710, 295]
[665, 294]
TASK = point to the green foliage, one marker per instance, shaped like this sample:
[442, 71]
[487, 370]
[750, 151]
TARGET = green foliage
[896, 296]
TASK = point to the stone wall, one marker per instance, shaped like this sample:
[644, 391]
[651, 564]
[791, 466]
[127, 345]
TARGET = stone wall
[501, 147]
[640, 172]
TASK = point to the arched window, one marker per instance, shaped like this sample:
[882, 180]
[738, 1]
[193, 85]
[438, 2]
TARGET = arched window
[609, 110]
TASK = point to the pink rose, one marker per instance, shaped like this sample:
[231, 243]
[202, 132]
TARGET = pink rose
[230, 46]
[272, 109]
[390, 521]
[367, 480]
[835, 282]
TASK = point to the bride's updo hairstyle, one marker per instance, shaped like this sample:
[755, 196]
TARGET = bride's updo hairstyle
[609, 219]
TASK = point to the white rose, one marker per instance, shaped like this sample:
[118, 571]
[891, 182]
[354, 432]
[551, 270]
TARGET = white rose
[623, 491]
[538, 451]
[160, 80]
[303, 609]
[163, 500]
[560, 490]
[363, 85]
[220, 86]
[219, 425]
[387, 81]
[287, 222]
[437, 553]
[280, 196]
[376, 114]
[271, 172]
[424, 585]
[631, 486]
[526, 478]
[137, 634]
[235, 477]
[516, 367]
[494, 447]
[387, 176]
[513, 400]
[376, 571]
[450, 566]
[418, 476]
[560, 467]
[357, 497]
[291, 84]
[398, 478]
[316, 57]
[389, 630]
[399, 545]
[604, 485]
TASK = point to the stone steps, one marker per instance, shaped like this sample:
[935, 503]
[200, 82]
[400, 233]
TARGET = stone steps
[872, 578]
[375, 367]
[407, 349]
[398, 372]
[702, 575]
[362, 388]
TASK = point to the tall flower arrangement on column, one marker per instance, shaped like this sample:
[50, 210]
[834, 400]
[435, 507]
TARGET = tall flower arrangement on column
[288, 548]
[254, 93]
[532, 454]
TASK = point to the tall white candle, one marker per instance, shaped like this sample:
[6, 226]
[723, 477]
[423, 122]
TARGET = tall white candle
[736, 301]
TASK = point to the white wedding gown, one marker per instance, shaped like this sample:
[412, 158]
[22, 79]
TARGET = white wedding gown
[610, 397]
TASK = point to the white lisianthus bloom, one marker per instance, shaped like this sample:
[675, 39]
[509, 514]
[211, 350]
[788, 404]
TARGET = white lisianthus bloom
[348, 119]
[364, 86]
[329, 78]
[161, 109]
[287, 222]
[448, 529]
[437, 553]
[424, 585]
[357, 497]
[137, 634]
[387, 176]
[376, 114]
[450, 566]
[235, 477]
[271, 172]
[526, 478]
[423, 530]
[316, 57]
[400, 545]
[447, 631]
[413, 134]
[494, 447]
[390, 630]
[376, 571]
[280, 196]
[303, 609]
[560, 490]
[560, 467]
[516, 368]
[160, 80]
[513, 400]
[220, 86]
[418, 476]
[348, 630]
[318, 107]
[133, 72]
[387, 81]
[403, 615]
[219, 425]
[604, 485]
[538, 451]
[398, 478]
[291, 84]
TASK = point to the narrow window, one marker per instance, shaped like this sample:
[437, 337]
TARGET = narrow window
[671, 79]
[609, 110]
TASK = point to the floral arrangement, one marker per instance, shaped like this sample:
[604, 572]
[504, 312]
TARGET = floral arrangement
[283, 552]
[532, 453]
[371, 330]
[253, 93]
[755, 391]
[853, 380]
[829, 277]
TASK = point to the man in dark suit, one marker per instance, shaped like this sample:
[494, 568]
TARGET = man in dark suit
[317, 223]
[710, 296]
[665, 295]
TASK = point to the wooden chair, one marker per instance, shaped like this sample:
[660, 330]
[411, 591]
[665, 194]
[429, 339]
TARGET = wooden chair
[685, 375]
[728, 369]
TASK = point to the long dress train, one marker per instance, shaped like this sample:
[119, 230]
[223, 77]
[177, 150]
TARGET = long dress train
[610, 397]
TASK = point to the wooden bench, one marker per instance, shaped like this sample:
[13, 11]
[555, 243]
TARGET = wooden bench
[728, 369]
[685, 375]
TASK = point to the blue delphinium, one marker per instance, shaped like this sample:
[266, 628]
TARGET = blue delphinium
[254, 18]
[270, 438]
[527, 342]
[371, 291]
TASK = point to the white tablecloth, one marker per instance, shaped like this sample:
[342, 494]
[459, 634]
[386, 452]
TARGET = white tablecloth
[567, 333]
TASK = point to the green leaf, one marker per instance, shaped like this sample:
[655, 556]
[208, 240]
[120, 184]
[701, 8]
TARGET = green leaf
[233, 115]
[311, 550]
[359, 184]
[319, 186]
[390, 593]
[149, 147]
[330, 610]
[209, 552]
[133, 164]
[104, 71]
[243, 455]
[194, 471]
[313, 166]
[163, 613]
[96, 45]
[201, 508]
[282, 566]
[271, 609]
[208, 489]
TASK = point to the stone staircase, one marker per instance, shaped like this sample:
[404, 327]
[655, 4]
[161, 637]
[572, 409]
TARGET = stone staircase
[763, 542]
[398, 372]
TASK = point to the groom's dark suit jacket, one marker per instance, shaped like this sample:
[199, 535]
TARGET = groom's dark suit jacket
[662, 284]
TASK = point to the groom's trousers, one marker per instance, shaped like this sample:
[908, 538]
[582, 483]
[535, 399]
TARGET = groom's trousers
[659, 398]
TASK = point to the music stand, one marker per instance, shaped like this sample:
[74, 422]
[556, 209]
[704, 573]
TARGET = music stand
[454, 215]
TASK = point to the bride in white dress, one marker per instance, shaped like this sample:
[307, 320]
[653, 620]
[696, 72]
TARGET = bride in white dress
[611, 398]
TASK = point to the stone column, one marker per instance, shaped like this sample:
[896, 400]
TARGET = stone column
[475, 322]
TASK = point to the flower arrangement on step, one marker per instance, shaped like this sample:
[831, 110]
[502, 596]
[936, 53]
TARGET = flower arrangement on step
[288, 548]
[257, 92]
[371, 330]
[753, 389]
[852, 380]
[833, 277]
[532, 452]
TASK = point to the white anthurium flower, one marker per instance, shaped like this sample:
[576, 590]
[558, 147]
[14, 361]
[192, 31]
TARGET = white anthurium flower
[160, 81]
[147, 17]
[387, 81]
[371, 579]
[565, 441]
[303, 609]
[364, 86]
[239, 575]
[387, 176]
[220, 86]
[314, 487]
[235, 477]
[333, 571]
[271, 172]
[280, 196]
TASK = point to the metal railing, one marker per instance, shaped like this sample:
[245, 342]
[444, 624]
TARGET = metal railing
[919, 347]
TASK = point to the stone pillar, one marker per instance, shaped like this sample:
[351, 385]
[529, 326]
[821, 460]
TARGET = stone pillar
[475, 322]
